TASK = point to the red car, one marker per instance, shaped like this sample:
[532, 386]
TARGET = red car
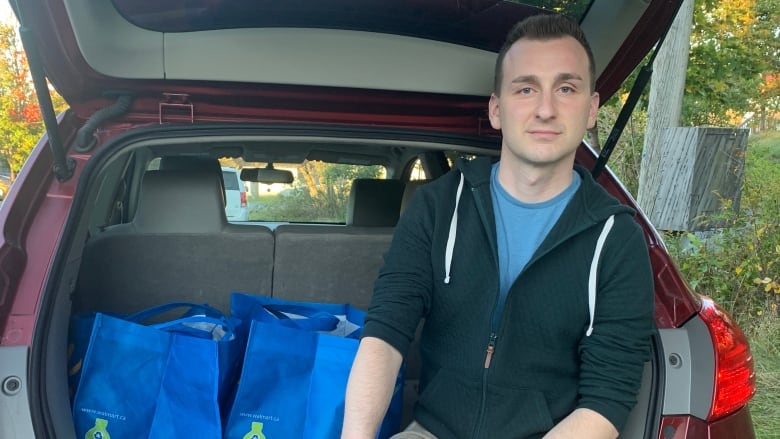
[400, 86]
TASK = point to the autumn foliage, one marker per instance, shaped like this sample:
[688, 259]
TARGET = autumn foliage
[20, 117]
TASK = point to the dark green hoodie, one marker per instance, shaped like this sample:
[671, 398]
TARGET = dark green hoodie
[546, 361]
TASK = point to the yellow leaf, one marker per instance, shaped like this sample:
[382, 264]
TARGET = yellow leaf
[768, 288]
[738, 270]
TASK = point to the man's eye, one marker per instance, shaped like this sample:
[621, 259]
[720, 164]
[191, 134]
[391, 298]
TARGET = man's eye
[525, 90]
[566, 89]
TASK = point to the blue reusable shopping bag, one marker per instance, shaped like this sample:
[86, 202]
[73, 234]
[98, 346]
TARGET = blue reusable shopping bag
[79, 333]
[230, 350]
[294, 376]
[230, 353]
[333, 318]
[156, 381]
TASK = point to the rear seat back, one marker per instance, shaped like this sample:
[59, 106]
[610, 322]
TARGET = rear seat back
[178, 247]
[339, 264]
[334, 264]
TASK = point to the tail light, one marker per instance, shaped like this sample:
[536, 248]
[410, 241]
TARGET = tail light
[243, 199]
[735, 380]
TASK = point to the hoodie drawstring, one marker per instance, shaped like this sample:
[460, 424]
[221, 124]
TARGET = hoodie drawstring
[453, 231]
[594, 265]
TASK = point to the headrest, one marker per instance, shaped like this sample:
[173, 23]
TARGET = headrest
[374, 202]
[190, 163]
[180, 202]
[409, 190]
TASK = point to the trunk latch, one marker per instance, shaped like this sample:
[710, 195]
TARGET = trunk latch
[176, 107]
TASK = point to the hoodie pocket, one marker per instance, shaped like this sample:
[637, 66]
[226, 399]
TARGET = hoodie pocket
[451, 403]
[454, 403]
[515, 413]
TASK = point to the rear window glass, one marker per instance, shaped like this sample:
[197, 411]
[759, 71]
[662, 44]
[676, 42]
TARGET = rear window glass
[477, 24]
[319, 192]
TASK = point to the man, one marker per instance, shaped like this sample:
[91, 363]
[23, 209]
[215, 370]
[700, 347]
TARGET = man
[534, 283]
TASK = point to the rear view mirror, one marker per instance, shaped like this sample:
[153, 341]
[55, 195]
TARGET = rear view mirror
[267, 175]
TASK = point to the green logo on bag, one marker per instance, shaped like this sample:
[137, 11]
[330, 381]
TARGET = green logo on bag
[256, 432]
[99, 430]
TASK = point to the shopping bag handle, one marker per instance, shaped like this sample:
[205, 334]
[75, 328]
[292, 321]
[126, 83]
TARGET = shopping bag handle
[315, 319]
[179, 326]
[146, 314]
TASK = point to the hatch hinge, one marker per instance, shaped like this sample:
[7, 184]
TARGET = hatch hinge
[176, 107]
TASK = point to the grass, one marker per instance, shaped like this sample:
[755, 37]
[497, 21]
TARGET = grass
[768, 144]
[764, 333]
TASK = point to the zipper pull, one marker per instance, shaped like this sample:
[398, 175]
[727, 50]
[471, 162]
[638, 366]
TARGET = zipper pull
[491, 347]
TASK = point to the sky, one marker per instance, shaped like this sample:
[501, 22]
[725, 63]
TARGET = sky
[5, 11]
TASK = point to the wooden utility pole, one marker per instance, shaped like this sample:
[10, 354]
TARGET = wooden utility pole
[665, 103]
[702, 168]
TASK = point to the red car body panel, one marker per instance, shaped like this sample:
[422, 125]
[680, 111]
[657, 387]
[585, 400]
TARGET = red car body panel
[735, 426]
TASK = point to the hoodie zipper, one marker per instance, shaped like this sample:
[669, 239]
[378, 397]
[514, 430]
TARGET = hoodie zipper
[491, 345]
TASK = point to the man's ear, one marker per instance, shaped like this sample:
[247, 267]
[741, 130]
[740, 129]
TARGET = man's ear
[594, 110]
[494, 112]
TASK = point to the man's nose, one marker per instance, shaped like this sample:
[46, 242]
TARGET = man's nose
[545, 108]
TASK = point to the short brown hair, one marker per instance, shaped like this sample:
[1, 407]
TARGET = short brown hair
[544, 27]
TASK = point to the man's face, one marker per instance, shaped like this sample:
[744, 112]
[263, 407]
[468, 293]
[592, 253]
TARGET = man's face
[545, 105]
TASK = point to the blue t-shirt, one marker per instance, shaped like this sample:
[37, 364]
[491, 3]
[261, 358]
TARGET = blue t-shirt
[521, 227]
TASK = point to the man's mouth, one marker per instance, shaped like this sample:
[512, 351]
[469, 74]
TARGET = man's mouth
[543, 134]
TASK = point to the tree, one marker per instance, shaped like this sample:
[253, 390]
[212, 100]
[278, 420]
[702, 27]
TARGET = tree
[769, 100]
[20, 118]
[733, 43]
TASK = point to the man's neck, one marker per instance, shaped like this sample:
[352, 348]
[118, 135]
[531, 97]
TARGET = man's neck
[531, 184]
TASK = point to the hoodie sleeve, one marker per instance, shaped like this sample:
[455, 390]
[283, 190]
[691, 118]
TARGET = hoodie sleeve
[613, 357]
[402, 291]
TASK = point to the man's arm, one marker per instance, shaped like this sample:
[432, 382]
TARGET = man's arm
[370, 388]
[583, 424]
